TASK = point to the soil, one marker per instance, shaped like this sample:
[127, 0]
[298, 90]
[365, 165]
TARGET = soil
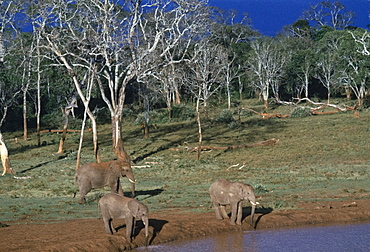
[170, 225]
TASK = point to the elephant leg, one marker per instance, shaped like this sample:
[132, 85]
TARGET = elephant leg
[234, 207]
[108, 225]
[239, 214]
[223, 212]
[129, 227]
[112, 229]
[119, 189]
[216, 206]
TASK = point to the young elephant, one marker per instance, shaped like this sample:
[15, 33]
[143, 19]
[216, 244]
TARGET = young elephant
[97, 175]
[223, 193]
[114, 206]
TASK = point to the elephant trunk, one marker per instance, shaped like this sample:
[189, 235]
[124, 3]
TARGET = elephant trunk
[146, 223]
[252, 213]
[252, 200]
[133, 189]
[131, 178]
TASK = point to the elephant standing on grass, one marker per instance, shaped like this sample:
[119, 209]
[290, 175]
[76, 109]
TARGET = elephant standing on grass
[114, 206]
[97, 175]
[224, 193]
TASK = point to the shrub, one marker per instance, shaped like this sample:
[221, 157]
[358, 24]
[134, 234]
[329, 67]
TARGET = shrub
[259, 189]
[183, 113]
[233, 125]
[300, 112]
[226, 116]
[55, 120]
[154, 117]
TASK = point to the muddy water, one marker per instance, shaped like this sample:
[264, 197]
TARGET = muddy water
[338, 238]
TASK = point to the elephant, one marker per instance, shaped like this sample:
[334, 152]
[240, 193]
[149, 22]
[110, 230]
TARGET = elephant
[224, 193]
[115, 206]
[97, 175]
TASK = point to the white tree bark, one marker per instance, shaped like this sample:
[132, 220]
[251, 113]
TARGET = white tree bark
[266, 64]
[125, 42]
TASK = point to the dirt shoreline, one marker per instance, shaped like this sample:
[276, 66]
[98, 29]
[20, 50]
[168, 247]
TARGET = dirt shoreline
[170, 225]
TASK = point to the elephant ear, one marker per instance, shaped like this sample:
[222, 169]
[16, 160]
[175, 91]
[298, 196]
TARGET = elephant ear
[238, 189]
[115, 168]
[133, 206]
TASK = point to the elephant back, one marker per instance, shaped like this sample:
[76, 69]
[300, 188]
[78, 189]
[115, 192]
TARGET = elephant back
[102, 167]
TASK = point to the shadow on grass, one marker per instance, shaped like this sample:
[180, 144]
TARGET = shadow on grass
[39, 165]
[164, 133]
[148, 193]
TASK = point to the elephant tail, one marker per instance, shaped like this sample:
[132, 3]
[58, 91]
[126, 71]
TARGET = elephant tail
[99, 211]
[76, 187]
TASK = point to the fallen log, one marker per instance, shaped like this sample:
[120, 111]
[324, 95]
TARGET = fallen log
[268, 142]
[61, 131]
[267, 115]
[322, 105]
[314, 111]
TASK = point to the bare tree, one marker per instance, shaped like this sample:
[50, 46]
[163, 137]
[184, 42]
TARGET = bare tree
[115, 39]
[327, 71]
[329, 13]
[71, 56]
[204, 79]
[233, 37]
[329, 63]
[8, 10]
[66, 112]
[182, 26]
[266, 63]
[208, 70]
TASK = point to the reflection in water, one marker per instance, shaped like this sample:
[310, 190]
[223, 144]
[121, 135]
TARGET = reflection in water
[310, 239]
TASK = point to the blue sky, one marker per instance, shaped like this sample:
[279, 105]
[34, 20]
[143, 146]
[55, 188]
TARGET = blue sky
[269, 16]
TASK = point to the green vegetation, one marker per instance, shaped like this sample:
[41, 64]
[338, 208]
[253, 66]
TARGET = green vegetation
[317, 158]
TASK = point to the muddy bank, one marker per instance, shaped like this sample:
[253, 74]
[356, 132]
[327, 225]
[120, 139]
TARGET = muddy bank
[166, 226]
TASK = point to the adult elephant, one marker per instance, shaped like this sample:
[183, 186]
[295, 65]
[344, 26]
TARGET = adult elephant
[98, 175]
[224, 193]
[114, 206]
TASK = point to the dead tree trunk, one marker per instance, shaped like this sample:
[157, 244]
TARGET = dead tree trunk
[66, 113]
[199, 130]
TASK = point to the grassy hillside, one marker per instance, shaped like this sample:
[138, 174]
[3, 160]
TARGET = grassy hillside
[317, 158]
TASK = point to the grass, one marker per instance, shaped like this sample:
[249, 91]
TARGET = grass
[317, 158]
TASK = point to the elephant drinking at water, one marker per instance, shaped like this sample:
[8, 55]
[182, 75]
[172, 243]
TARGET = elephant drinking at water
[114, 206]
[224, 193]
[97, 175]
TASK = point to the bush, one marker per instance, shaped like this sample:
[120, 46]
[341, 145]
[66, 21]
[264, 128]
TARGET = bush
[233, 125]
[226, 116]
[260, 189]
[53, 120]
[154, 117]
[300, 112]
[183, 113]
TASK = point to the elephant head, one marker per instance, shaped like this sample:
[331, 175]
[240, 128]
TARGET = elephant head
[123, 169]
[140, 211]
[246, 192]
